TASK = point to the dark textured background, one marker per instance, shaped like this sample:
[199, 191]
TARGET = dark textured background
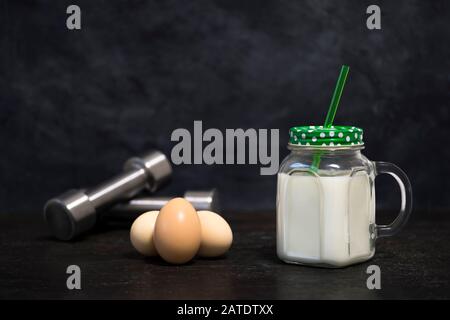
[75, 104]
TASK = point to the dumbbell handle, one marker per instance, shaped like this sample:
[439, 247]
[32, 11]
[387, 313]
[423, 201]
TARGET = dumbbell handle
[201, 200]
[123, 186]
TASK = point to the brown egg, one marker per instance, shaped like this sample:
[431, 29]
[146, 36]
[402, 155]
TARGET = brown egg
[216, 234]
[177, 233]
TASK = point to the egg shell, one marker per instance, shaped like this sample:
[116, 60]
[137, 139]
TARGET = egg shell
[177, 231]
[216, 234]
[141, 233]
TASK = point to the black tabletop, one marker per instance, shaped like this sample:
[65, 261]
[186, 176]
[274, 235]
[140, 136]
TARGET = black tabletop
[415, 264]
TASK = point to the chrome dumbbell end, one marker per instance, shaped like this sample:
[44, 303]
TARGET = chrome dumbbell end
[156, 166]
[203, 200]
[69, 214]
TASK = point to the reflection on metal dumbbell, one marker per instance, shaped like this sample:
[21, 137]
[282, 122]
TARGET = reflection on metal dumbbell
[201, 200]
[75, 211]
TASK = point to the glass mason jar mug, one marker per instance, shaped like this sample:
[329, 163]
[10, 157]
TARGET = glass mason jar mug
[326, 198]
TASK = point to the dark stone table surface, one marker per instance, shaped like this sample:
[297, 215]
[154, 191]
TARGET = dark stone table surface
[414, 265]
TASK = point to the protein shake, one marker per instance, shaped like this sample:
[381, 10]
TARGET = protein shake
[325, 220]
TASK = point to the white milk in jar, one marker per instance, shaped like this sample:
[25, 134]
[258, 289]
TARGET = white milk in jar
[325, 220]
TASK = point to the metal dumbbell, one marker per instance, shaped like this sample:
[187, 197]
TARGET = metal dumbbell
[201, 200]
[75, 211]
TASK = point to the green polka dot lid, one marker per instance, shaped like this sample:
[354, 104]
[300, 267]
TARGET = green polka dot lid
[334, 136]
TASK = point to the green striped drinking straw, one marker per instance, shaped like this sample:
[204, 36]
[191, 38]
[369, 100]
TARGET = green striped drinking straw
[332, 109]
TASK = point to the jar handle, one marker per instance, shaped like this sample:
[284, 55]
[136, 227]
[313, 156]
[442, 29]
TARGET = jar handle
[406, 198]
